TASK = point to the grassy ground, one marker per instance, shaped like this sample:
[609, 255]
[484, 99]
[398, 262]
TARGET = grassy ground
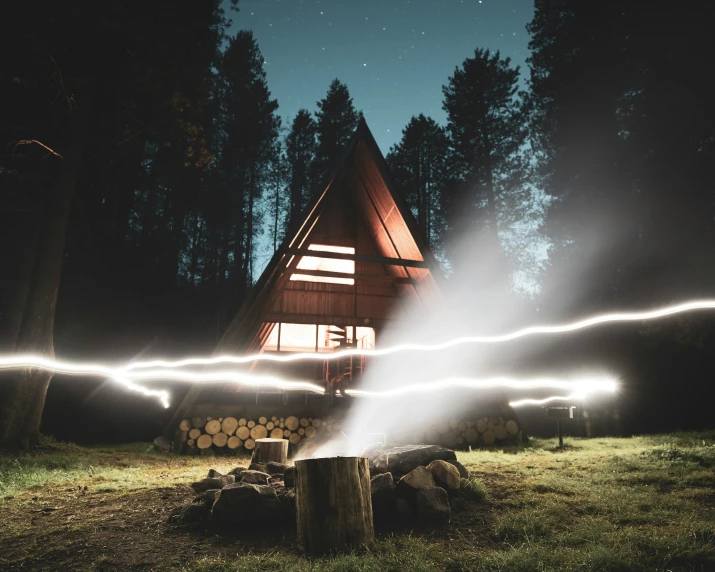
[643, 503]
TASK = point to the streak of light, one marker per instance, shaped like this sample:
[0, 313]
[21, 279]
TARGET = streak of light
[570, 398]
[584, 386]
[227, 376]
[89, 369]
[127, 379]
[524, 332]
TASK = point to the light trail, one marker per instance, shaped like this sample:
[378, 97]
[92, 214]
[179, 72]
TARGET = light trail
[164, 369]
[571, 398]
[584, 386]
[524, 332]
[227, 376]
[89, 369]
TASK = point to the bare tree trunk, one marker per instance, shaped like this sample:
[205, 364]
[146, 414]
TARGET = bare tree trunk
[24, 394]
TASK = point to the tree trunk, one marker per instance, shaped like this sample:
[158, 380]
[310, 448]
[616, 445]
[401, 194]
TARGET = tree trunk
[333, 503]
[24, 395]
[270, 451]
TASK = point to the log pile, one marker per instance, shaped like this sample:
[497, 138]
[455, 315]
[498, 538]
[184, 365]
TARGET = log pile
[236, 434]
[459, 434]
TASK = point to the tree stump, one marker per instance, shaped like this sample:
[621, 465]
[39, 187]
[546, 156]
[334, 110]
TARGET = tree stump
[270, 450]
[333, 503]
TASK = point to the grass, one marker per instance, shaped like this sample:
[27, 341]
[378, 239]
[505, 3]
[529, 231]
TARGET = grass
[641, 503]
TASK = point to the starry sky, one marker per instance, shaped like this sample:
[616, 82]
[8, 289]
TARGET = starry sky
[394, 55]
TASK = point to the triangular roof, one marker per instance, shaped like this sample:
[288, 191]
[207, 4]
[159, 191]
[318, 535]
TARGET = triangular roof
[389, 215]
[397, 255]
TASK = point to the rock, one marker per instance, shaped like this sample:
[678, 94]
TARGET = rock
[238, 471]
[214, 474]
[403, 509]
[207, 498]
[373, 450]
[276, 468]
[445, 475]
[289, 477]
[463, 472]
[246, 504]
[162, 444]
[257, 467]
[287, 500]
[217, 483]
[252, 477]
[432, 505]
[416, 479]
[382, 492]
[189, 515]
[403, 459]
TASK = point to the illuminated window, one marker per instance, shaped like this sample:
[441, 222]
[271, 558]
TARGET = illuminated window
[309, 263]
[311, 337]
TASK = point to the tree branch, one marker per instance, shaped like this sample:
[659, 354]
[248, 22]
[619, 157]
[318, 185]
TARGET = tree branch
[36, 142]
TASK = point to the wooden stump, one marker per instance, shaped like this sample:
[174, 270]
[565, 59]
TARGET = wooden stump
[270, 450]
[185, 425]
[333, 504]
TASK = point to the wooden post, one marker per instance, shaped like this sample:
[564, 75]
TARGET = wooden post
[270, 450]
[333, 503]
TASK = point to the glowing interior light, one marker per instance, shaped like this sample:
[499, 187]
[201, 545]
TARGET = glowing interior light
[309, 263]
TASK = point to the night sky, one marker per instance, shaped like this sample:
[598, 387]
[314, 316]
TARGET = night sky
[394, 55]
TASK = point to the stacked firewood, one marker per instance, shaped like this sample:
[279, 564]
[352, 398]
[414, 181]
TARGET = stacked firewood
[238, 433]
[457, 434]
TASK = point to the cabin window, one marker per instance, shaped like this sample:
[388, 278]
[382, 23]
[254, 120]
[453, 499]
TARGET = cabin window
[312, 337]
[314, 263]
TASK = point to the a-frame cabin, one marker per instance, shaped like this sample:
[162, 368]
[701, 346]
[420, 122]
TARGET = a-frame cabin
[337, 280]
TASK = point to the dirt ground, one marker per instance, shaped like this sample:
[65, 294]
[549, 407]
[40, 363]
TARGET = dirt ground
[55, 527]
[642, 503]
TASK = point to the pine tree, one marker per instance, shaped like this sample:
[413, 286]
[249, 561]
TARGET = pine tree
[250, 128]
[301, 146]
[419, 165]
[336, 120]
[488, 134]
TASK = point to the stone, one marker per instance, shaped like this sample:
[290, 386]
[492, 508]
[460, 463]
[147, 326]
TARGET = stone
[287, 500]
[252, 477]
[192, 514]
[416, 479]
[257, 467]
[382, 492]
[402, 459]
[463, 472]
[162, 444]
[216, 483]
[238, 471]
[276, 468]
[289, 477]
[207, 498]
[445, 475]
[214, 474]
[432, 505]
[246, 504]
